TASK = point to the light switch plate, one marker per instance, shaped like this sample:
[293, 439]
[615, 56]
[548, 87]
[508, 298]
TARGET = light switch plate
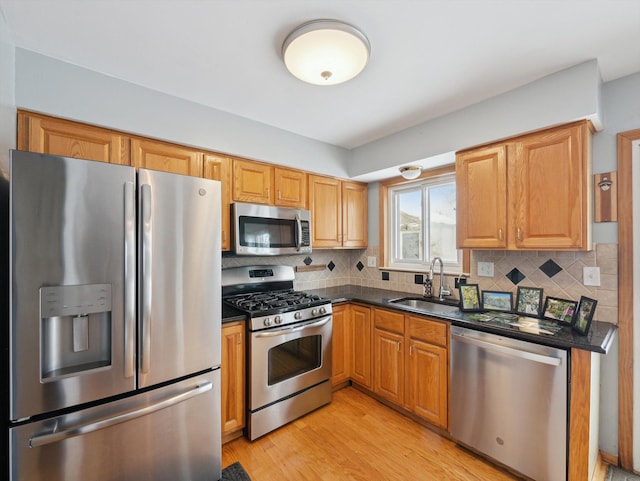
[591, 276]
[485, 269]
[371, 261]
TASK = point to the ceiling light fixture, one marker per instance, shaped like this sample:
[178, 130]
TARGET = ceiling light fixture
[326, 52]
[410, 172]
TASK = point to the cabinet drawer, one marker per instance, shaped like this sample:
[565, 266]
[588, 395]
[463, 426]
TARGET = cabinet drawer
[427, 330]
[389, 320]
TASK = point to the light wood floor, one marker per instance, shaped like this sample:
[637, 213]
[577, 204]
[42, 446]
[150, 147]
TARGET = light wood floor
[357, 438]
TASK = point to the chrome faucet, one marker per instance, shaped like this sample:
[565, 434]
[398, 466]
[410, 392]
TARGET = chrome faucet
[442, 290]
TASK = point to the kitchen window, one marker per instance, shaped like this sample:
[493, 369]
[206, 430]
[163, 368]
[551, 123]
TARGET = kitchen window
[421, 217]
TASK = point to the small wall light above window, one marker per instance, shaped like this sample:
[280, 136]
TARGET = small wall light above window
[411, 172]
[326, 52]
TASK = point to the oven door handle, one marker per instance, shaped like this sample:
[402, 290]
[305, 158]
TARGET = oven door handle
[297, 328]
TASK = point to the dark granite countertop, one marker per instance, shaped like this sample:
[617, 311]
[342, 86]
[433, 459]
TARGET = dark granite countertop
[231, 314]
[531, 329]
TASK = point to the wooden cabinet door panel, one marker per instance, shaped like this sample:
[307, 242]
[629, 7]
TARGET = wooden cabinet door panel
[70, 139]
[232, 372]
[427, 389]
[218, 167]
[354, 214]
[154, 155]
[252, 182]
[291, 188]
[481, 179]
[361, 332]
[388, 372]
[340, 345]
[325, 203]
[547, 190]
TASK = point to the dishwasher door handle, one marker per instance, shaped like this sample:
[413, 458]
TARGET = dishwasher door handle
[508, 351]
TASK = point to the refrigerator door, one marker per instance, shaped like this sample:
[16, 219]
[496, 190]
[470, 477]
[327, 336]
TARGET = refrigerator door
[180, 307]
[166, 434]
[72, 332]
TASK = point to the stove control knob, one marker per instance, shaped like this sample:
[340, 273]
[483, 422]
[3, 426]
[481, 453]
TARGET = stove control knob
[314, 312]
[297, 315]
[278, 320]
[268, 322]
[323, 310]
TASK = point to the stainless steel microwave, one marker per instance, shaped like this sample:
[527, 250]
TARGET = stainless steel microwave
[262, 230]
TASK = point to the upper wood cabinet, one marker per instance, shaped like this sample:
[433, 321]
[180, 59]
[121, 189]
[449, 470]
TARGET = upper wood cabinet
[261, 183]
[531, 192]
[155, 155]
[49, 135]
[338, 211]
[218, 167]
[290, 188]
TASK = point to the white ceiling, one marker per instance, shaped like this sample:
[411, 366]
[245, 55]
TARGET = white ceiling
[428, 58]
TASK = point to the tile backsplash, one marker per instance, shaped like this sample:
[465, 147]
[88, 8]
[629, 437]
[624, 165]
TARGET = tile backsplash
[560, 276]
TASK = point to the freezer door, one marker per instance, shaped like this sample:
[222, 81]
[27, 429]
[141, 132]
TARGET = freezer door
[166, 434]
[72, 332]
[179, 267]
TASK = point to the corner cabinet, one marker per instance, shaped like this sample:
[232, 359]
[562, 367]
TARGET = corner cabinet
[339, 212]
[232, 372]
[530, 192]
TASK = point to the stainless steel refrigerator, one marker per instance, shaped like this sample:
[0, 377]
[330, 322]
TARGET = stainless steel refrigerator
[114, 323]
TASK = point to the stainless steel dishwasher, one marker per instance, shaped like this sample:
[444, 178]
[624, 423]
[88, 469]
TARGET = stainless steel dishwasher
[509, 401]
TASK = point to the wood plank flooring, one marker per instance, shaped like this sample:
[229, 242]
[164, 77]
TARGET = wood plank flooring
[357, 438]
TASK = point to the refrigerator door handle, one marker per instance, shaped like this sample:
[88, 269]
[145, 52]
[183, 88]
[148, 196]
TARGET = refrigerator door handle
[145, 301]
[129, 279]
[56, 436]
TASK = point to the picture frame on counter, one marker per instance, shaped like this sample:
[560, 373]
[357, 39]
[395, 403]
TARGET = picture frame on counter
[529, 301]
[584, 315]
[561, 310]
[469, 298]
[497, 301]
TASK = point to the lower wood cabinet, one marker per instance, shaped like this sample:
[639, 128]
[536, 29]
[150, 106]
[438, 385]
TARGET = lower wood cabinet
[411, 363]
[360, 317]
[233, 380]
[340, 345]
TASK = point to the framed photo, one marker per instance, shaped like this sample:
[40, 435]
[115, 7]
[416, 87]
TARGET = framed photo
[529, 301]
[469, 297]
[559, 309]
[497, 301]
[582, 320]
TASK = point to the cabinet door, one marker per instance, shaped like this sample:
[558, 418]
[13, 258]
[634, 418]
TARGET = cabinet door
[548, 190]
[252, 182]
[361, 347]
[48, 135]
[354, 214]
[291, 188]
[154, 155]
[427, 384]
[325, 203]
[481, 183]
[232, 374]
[340, 345]
[218, 167]
[388, 365]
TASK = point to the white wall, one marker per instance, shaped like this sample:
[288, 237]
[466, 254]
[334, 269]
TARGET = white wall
[7, 97]
[50, 86]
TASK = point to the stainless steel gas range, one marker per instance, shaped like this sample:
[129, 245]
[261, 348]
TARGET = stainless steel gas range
[289, 345]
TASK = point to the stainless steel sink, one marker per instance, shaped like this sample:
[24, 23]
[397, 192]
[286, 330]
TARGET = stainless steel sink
[421, 304]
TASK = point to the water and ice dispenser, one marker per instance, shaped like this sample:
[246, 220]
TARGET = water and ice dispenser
[75, 330]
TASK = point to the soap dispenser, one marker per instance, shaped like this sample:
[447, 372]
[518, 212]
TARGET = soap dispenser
[428, 285]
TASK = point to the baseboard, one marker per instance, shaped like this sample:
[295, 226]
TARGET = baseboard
[609, 458]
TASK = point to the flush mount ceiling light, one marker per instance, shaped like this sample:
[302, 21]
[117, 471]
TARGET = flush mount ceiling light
[411, 171]
[326, 52]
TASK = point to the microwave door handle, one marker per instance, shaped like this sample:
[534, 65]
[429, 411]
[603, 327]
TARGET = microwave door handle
[299, 236]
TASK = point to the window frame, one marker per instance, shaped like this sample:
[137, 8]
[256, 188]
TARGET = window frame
[386, 221]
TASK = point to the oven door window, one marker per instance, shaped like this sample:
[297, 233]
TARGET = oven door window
[294, 358]
[265, 232]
